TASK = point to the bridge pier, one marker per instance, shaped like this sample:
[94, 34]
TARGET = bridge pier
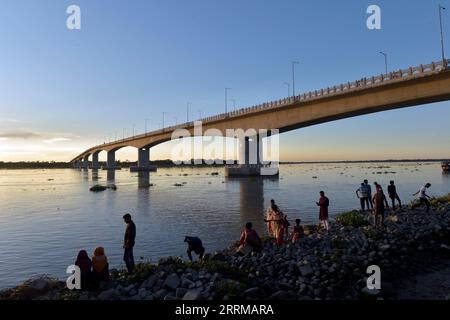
[250, 159]
[111, 161]
[95, 163]
[143, 161]
[85, 162]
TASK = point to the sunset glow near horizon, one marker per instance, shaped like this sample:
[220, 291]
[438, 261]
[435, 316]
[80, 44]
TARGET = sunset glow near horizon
[63, 91]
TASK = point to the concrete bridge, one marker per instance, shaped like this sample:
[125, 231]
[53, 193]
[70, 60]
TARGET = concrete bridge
[403, 88]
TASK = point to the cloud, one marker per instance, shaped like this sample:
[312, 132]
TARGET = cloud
[54, 140]
[19, 135]
[11, 120]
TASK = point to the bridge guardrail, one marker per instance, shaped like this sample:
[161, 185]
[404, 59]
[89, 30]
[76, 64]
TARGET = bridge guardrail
[363, 83]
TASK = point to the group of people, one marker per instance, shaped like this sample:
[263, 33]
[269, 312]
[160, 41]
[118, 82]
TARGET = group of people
[378, 202]
[96, 269]
[278, 224]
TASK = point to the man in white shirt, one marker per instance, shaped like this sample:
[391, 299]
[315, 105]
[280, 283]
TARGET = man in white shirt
[423, 197]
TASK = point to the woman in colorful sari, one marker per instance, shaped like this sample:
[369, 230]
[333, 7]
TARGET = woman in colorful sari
[269, 219]
[85, 265]
[100, 267]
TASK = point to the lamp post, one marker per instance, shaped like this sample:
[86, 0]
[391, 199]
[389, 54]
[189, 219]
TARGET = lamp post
[385, 61]
[442, 36]
[234, 104]
[176, 120]
[199, 114]
[163, 120]
[226, 99]
[289, 88]
[146, 126]
[187, 111]
[293, 76]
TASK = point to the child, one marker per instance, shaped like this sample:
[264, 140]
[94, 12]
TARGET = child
[297, 233]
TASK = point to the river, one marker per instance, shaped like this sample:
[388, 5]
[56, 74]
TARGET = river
[47, 216]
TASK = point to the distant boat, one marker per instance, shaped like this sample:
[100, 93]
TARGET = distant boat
[445, 166]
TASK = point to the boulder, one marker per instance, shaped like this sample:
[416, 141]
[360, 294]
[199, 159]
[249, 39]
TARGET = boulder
[172, 282]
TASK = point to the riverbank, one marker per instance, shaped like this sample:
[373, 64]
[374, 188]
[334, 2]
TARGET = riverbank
[323, 265]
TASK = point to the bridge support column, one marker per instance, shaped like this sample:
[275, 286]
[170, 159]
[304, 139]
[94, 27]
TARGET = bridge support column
[111, 161]
[249, 158]
[143, 161]
[95, 163]
[85, 162]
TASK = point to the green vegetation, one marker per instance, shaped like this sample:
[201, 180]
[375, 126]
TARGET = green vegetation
[435, 202]
[230, 289]
[352, 219]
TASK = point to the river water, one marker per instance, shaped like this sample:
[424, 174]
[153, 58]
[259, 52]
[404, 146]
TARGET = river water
[47, 216]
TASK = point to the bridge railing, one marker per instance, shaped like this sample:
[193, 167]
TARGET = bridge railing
[363, 83]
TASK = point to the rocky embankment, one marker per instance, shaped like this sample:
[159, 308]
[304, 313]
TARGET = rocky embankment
[323, 265]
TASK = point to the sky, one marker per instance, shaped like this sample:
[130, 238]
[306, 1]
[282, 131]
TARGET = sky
[63, 91]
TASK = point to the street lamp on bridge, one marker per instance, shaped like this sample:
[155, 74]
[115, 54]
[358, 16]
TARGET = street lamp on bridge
[234, 104]
[288, 85]
[442, 36]
[293, 76]
[385, 61]
[187, 111]
[226, 99]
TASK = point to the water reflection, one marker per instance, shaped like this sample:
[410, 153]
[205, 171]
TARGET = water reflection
[94, 175]
[252, 201]
[143, 179]
[111, 176]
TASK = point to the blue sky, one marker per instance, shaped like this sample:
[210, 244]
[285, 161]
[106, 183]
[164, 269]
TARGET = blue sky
[62, 91]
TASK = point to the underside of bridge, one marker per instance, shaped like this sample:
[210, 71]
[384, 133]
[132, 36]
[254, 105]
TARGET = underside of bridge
[410, 87]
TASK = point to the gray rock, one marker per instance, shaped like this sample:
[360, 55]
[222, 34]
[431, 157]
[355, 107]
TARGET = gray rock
[109, 294]
[187, 284]
[279, 295]
[306, 270]
[180, 292]
[172, 281]
[252, 292]
[193, 295]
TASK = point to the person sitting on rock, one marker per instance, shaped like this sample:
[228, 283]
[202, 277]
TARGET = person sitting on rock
[196, 245]
[100, 266]
[84, 263]
[250, 240]
[298, 232]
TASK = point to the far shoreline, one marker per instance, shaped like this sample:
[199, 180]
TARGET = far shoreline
[169, 163]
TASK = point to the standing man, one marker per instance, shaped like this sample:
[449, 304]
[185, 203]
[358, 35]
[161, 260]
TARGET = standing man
[323, 203]
[369, 198]
[128, 242]
[362, 194]
[392, 191]
[423, 196]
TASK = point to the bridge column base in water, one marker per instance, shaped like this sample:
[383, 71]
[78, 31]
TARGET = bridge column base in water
[95, 164]
[251, 160]
[143, 162]
[111, 162]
